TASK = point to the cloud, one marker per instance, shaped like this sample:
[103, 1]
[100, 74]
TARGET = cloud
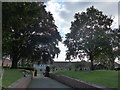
[62, 54]
[115, 23]
[90, 0]
[55, 8]
[72, 8]
[108, 8]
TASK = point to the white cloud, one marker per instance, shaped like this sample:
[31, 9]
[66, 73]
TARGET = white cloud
[90, 0]
[66, 29]
[115, 23]
[62, 54]
[55, 8]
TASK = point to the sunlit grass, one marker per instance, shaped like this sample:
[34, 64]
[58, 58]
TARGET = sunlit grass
[40, 72]
[107, 78]
[10, 76]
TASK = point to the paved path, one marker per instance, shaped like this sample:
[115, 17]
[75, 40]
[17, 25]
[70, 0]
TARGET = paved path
[44, 82]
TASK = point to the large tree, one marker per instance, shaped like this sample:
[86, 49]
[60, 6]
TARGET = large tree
[88, 36]
[26, 27]
[16, 16]
[114, 47]
[43, 39]
[112, 52]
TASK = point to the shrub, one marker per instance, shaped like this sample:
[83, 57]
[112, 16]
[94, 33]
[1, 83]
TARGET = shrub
[27, 68]
[6, 67]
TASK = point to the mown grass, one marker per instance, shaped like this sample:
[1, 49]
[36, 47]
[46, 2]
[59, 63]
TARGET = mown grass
[107, 78]
[10, 76]
[40, 72]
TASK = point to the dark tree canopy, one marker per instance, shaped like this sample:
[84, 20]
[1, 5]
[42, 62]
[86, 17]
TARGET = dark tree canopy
[29, 32]
[17, 16]
[43, 38]
[88, 36]
[107, 58]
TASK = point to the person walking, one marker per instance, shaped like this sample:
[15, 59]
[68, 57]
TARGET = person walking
[47, 71]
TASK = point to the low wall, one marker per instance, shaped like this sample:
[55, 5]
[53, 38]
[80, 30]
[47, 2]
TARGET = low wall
[74, 83]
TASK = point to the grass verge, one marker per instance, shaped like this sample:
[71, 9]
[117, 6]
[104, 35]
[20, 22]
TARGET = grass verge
[107, 78]
[40, 72]
[10, 76]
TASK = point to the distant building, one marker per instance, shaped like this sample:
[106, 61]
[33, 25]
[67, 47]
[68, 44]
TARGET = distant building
[6, 62]
[67, 65]
[40, 66]
[61, 64]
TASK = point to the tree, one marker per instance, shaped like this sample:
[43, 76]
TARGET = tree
[103, 60]
[88, 36]
[16, 16]
[25, 31]
[107, 58]
[53, 67]
[43, 38]
[114, 49]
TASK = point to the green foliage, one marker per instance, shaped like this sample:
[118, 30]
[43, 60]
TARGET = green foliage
[79, 65]
[16, 16]
[53, 67]
[112, 51]
[69, 66]
[89, 35]
[40, 72]
[26, 68]
[107, 78]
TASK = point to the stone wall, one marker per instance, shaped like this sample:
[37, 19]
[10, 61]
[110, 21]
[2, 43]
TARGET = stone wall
[74, 82]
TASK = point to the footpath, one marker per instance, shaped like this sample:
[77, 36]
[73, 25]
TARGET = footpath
[45, 82]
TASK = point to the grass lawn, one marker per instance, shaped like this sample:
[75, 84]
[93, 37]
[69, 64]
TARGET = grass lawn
[10, 76]
[107, 78]
[0, 82]
[40, 72]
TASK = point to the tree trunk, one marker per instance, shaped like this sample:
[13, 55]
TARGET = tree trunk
[14, 61]
[92, 66]
[14, 55]
[22, 62]
[112, 63]
[91, 59]
[14, 64]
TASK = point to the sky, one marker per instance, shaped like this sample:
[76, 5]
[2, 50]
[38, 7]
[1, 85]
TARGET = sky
[64, 11]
